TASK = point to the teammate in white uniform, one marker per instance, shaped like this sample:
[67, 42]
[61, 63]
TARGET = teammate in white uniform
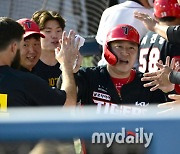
[123, 14]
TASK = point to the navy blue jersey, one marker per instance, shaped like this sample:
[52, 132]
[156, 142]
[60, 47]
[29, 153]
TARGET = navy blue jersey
[95, 87]
[27, 89]
[154, 47]
[48, 73]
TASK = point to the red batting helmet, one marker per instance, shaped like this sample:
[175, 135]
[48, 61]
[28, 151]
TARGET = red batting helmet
[122, 32]
[166, 8]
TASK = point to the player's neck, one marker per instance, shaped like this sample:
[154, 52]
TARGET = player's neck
[118, 74]
[48, 57]
[4, 59]
[168, 23]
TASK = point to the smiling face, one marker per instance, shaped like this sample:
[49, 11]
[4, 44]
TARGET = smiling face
[126, 52]
[30, 51]
[52, 32]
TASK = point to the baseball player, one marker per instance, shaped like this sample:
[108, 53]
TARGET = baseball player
[117, 82]
[123, 14]
[154, 47]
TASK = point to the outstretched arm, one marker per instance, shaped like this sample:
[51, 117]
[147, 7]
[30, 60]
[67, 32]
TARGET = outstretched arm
[66, 56]
[152, 24]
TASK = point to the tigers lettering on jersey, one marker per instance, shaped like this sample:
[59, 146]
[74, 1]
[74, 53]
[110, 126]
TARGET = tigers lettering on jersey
[106, 107]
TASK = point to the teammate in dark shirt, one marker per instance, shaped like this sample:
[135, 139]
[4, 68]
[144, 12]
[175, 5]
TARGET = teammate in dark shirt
[26, 89]
[117, 83]
[51, 24]
[47, 72]
[154, 47]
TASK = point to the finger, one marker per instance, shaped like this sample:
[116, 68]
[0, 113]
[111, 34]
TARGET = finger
[172, 65]
[140, 15]
[155, 88]
[174, 96]
[167, 104]
[150, 84]
[149, 78]
[166, 111]
[60, 42]
[167, 61]
[159, 65]
[71, 38]
[64, 39]
[56, 51]
[70, 33]
[151, 74]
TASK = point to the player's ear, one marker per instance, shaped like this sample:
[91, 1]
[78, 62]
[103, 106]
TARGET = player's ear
[14, 47]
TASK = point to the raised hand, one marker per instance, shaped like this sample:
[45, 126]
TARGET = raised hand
[148, 22]
[160, 78]
[66, 53]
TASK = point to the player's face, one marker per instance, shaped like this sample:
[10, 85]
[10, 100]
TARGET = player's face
[127, 53]
[52, 32]
[30, 52]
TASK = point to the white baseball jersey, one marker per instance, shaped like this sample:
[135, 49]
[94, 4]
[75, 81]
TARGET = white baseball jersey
[121, 14]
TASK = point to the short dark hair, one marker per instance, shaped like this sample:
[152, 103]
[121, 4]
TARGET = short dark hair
[10, 31]
[167, 19]
[42, 16]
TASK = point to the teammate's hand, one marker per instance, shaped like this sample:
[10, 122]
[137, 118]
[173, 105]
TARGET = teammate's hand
[148, 22]
[160, 79]
[66, 53]
[174, 105]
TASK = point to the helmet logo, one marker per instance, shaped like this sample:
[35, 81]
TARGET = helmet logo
[126, 30]
[28, 24]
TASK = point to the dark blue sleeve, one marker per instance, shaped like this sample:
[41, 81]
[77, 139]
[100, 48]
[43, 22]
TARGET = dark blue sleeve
[174, 77]
[173, 34]
[41, 94]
